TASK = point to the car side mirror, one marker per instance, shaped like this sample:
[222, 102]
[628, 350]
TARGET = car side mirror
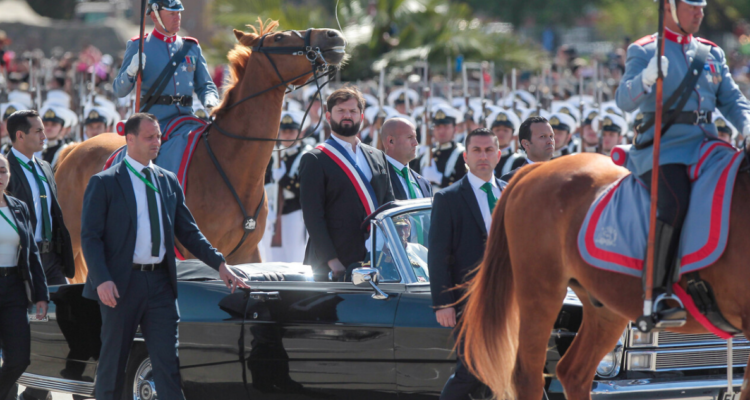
[366, 276]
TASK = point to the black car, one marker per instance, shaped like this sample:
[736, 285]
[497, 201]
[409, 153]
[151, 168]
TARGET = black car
[374, 337]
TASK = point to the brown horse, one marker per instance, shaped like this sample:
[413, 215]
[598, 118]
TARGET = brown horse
[244, 161]
[532, 256]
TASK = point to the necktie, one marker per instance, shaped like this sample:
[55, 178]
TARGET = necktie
[491, 199]
[46, 224]
[404, 173]
[153, 216]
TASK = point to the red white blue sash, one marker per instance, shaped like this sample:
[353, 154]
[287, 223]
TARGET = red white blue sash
[363, 187]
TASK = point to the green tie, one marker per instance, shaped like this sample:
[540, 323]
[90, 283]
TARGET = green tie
[153, 216]
[46, 224]
[491, 199]
[404, 173]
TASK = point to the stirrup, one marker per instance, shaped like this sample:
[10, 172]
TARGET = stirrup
[665, 318]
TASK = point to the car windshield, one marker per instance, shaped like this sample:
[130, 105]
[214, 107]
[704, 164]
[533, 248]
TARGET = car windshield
[411, 229]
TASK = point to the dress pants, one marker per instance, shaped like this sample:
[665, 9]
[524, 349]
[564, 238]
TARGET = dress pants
[148, 301]
[53, 272]
[15, 332]
[462, 385]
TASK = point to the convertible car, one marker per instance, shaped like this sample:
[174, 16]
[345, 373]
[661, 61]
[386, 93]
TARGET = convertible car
[371, 337]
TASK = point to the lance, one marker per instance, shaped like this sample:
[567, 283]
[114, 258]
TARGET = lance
[513, 89]
[406, 95]
[427, 137]
[465, 81]
[481, 92]
[492, 82]
[646, 321]
[139, 75]
[425, 100]
[381, 101]
[449, 75]
[505, 88]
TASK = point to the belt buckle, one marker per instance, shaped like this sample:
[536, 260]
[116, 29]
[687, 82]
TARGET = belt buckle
[148, 267]
[45, 246]
[700, 117]
[176, 99]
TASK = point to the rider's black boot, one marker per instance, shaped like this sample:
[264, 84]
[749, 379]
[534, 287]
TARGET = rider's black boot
[664, 315]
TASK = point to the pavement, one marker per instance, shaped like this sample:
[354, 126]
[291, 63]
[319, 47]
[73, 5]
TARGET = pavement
[55, 395]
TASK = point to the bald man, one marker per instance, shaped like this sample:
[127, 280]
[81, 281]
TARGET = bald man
[399, 138]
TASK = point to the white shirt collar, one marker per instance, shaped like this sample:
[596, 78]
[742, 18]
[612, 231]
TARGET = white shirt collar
[395, 163]
[346, 144]
[528, 161]
[20, 155]
[477, 182]
[136, 165]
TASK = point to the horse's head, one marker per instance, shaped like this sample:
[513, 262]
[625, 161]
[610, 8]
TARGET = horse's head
[288, 57]
[295, 53]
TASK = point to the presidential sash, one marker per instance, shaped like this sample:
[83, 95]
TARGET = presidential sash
[363, 187]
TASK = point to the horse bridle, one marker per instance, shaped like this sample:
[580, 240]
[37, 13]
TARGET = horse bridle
[312, 55]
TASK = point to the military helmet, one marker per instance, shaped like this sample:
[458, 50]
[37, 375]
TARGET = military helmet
[168, 5]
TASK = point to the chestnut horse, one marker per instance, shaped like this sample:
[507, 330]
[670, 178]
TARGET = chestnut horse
[244, 161]
[532, 256]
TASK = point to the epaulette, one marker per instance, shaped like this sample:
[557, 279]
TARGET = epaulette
[645, 40]
[138, 37]
[192, 39]
[706, 41]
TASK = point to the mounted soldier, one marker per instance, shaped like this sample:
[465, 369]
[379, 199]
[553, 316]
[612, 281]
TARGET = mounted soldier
[696, 81]
[173, 67]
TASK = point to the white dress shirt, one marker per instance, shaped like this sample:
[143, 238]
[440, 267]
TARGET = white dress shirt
[142, 254]
[357, 155]
[35, 193]
[399, 166]
[481, 195]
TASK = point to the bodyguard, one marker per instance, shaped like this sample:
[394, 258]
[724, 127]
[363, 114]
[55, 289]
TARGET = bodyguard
[133, 212]
[400, 145]
[33, 182]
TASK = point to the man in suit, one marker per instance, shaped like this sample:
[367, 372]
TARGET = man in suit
[133, 212]
[32, 181]
[342, 181]
[461, 218]
[538, 140]
[400, 145]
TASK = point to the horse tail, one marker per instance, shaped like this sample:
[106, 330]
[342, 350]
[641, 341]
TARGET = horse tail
[489, 327]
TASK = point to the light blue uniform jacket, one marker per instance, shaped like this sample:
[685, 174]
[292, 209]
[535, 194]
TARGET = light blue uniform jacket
[191, 74]
[715, 89]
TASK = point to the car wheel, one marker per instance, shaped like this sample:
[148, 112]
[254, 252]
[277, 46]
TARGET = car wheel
[140, 377]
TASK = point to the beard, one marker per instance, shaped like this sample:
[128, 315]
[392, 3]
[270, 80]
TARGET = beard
[346, 131]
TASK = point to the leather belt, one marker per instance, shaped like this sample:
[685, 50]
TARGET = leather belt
[149, 267]
[6, 271]
[685, 117]
[44, 246]
[185, 101]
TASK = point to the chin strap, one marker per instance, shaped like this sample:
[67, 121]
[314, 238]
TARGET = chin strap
[155, 9]
[673, 9]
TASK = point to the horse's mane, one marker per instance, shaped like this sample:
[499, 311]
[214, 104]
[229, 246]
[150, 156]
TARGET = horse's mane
[238, 58]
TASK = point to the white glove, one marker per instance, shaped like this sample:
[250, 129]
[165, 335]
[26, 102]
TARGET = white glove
[278, 173]
[133, 67]
[431, 174]
[649, 75]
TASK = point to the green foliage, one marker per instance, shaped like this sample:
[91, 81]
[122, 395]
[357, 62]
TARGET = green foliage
[634, 19]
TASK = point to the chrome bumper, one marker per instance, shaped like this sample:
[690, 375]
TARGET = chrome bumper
[708, 389]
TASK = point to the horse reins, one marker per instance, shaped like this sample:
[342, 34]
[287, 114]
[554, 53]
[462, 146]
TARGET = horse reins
[312, 55]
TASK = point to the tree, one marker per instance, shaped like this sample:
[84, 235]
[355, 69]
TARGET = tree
[57, 9]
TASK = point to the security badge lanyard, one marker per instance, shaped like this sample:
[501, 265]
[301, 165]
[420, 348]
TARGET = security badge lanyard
[23, 164]
[12, 225]
[141, 177]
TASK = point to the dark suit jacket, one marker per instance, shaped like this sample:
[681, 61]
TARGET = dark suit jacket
[108, 228]
[28, 257]
[20, 188]
[507, 177]
[332, 209]
[457, 239]
[398, 189]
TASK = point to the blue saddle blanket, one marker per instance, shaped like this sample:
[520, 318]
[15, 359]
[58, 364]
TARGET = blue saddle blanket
[180, 136]
[614, 235]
